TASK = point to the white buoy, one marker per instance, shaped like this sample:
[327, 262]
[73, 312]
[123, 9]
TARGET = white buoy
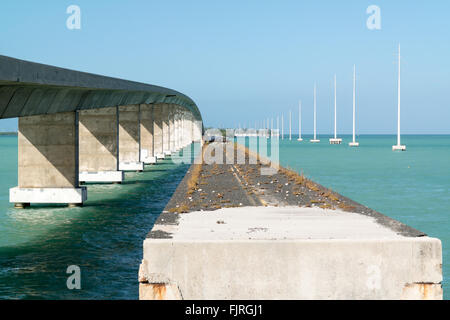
[354, 143]
[335, 140]
[300, 121]
[399, 146]
[315, 140]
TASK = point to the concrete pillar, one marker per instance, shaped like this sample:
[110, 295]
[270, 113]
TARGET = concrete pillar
[166, 130]
[198, 128]
[147, 136]
[158, 131]
[48, 161]
[129, 139]
[187, 130]
[172, 129]
[178, 128]
[98, 146]
[191, 128]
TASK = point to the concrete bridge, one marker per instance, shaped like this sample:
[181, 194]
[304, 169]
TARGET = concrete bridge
[78, 127]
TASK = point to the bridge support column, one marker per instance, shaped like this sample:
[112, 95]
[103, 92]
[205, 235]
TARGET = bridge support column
[182, 125]
[98, 155]
[187, 132]
[178, 132]
[166, 130]
[197, 131]
[158, 131]
[129, 139]
[172, 129]
[48, 161]
[147, 136]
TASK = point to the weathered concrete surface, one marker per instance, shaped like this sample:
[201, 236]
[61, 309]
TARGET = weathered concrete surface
[102, 176]
[28, 88]
[311, 243]
[131, 166]
[197, 130]
[158, 130]
[147, 144]
[98, 145]
[47, 195]
[165, 128]
[48, 160]
[177, 129]
[275, 223]
[129, 134]
[321, 268]
[47, 147]
[172, 130]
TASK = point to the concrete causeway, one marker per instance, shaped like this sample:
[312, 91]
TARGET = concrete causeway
[237, 234]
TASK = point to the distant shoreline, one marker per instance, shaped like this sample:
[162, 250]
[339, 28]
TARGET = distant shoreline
[8, 133]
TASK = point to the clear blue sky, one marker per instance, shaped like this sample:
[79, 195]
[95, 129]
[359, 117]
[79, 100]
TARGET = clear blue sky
[248, 60]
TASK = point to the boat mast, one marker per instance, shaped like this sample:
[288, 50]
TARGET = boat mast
[398, 116]
[315, 112]
[335, 130]
[354, 102]
[300, 120]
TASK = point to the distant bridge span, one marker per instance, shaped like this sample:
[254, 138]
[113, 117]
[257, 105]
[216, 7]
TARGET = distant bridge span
[80, 127]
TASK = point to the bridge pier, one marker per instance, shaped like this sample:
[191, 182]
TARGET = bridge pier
[98, 146]
[177, 129]
[158, 131]
[48, 161]
[166, 130]
[129, 139]
[172, 129]
[147, 136]
[187, 130]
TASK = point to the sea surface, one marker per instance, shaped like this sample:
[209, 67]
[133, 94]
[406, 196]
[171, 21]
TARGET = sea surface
[412, 186]
[105, 236]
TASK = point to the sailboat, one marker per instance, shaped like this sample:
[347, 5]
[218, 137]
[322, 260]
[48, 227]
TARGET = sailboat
[399, 146]
[315, 140]
[300, 121]
[354, 143]
[335, 140]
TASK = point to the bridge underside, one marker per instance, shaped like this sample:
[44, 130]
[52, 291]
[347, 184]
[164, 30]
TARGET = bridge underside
[77, 127]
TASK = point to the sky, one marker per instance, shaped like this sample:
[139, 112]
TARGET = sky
[246, 61]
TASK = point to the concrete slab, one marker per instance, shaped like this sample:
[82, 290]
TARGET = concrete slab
[146, 158]
[149, 160]
[102, 176]
[275, 223]
[160, 156]
[48, 195]
[288, 253]
[131, 166]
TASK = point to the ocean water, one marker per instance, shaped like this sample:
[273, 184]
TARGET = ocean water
[412, 187]
[104, 238]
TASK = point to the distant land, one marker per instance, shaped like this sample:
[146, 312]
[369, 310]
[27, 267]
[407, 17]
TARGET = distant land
[12, 133]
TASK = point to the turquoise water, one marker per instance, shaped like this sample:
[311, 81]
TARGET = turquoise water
[412, 187]
[104, 238]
